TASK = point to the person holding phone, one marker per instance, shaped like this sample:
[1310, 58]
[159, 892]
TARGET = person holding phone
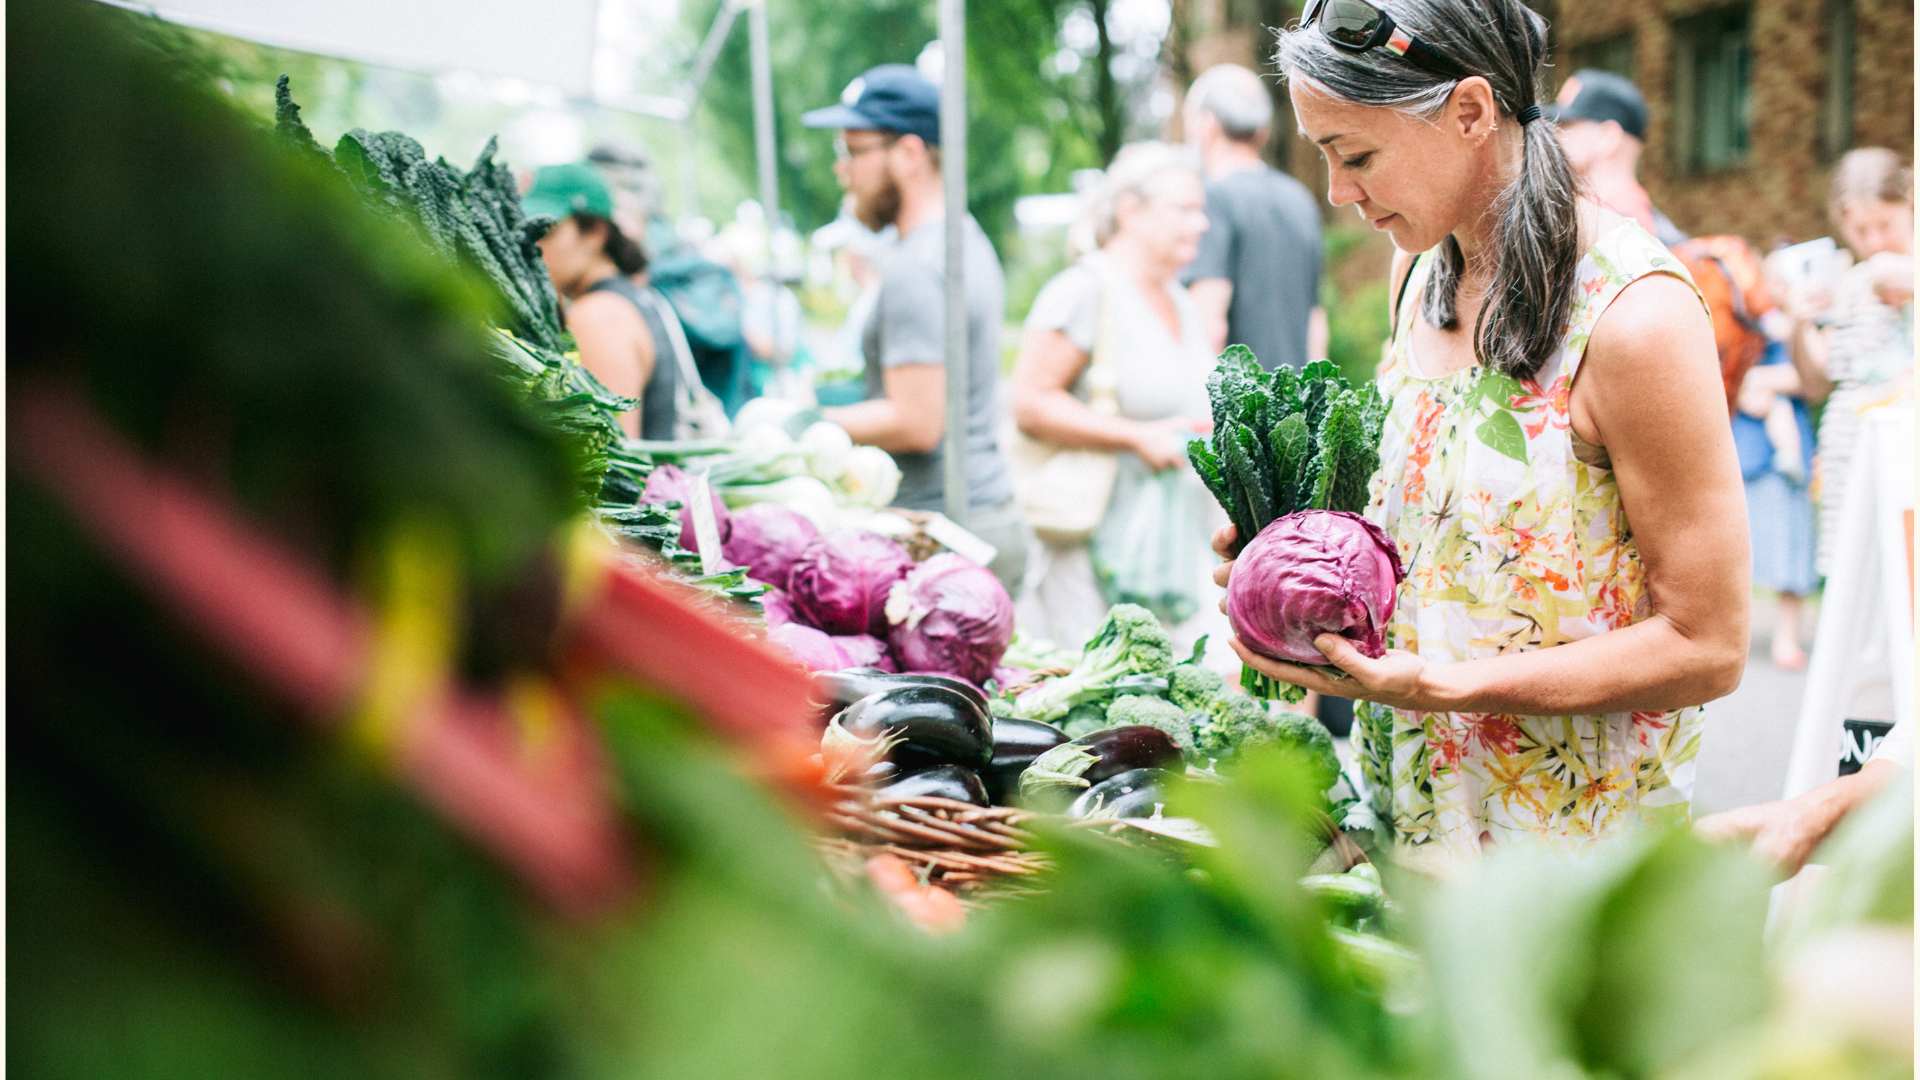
[1852, 337]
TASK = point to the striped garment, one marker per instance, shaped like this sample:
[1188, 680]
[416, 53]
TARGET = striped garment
[1869, 346]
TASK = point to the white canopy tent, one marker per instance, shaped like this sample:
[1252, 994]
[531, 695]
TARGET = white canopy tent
[552, 44]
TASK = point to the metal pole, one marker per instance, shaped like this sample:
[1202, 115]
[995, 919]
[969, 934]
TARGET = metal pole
[703, 63]
[763, 145]
[688, 153]
[710, 49]
[953, 169]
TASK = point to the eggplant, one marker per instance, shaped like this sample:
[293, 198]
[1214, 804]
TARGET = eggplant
[839, 689]
[1058, 776]
[1015, 744]
[945, 781]
[928, 725]
[1135, 793]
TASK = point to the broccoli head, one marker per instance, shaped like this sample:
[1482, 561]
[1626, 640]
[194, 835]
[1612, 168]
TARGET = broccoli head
[1129, 645]
[1227, 721]
[1084, 719]
[1238, 728]
[1154, 713]
[1314, 745]
[1193, 687]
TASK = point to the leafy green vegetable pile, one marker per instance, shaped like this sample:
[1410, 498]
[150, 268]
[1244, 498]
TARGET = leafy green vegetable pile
[1128, 675]
[474, 216]
[1285, 442]
[1288, 441]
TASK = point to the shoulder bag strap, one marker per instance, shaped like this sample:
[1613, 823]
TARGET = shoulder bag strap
[1102, 389]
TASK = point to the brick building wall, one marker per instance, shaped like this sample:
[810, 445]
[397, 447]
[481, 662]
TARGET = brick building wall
[1779, 189]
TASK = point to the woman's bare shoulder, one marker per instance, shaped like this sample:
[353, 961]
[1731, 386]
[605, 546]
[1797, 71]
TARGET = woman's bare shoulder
[604, 310]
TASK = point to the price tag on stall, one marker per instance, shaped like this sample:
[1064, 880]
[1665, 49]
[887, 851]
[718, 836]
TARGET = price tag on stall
[948, 534]
[706, 530]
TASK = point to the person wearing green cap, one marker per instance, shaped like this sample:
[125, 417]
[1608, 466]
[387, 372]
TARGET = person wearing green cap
[594, 265]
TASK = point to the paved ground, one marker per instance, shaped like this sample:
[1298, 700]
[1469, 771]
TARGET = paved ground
[1750, 733]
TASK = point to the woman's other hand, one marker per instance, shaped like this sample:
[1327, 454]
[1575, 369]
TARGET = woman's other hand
[1781, 833]
[1162, 444]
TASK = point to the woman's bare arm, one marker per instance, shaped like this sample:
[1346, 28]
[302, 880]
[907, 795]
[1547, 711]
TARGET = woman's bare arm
[1651, 392]
[1044, 409]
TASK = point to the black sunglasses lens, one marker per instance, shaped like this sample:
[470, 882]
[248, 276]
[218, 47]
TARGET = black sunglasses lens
[1351, 23]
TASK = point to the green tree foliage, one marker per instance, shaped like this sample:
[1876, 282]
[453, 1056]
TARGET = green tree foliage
[1030, 125]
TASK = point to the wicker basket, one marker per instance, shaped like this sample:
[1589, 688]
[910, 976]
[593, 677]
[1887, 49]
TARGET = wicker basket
[955, 845]
[966, 848]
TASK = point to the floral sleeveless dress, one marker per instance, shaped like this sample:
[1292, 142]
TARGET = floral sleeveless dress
[1514, 538]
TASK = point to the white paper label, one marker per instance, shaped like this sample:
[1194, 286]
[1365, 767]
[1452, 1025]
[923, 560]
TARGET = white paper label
[951, 536]
[706, 530]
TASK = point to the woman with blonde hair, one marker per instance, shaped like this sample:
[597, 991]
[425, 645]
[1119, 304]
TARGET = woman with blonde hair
[1114, 359]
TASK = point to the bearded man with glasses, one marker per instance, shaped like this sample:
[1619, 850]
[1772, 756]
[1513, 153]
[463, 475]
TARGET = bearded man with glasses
[887, 157]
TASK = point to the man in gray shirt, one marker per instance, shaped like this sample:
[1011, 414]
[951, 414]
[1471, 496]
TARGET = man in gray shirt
[889, 162]
[1256, 280]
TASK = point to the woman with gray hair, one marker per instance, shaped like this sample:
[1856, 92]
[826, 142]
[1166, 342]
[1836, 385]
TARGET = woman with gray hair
[1556, 469]
[1113, 360]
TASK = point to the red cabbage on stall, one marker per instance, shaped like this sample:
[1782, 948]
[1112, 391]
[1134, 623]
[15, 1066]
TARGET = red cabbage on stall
[819, 651]
[775, 608]
[950, 616]
[840, 582]
[815, 650]
[865, 650]
[766, 539]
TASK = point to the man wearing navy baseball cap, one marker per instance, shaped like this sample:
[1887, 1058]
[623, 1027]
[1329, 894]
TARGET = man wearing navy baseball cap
[1603, 125]
[888, 160]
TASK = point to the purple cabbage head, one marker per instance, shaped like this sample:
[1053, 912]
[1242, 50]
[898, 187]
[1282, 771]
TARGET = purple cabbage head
[818, 651]
[776, 608]
[813, 649]
[865, 650]
[766, 538]
[669, 483]
[840, 582]
[1311, 573]
[950, 616]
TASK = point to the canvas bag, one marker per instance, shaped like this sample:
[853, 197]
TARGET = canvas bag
[1063, 491]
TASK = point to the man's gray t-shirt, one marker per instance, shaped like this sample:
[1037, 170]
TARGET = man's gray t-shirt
[1263, 236]
[907, 326]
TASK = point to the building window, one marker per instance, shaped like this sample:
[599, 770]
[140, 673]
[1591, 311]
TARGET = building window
[1836, 106]
[1712, 85]
[1613, 54]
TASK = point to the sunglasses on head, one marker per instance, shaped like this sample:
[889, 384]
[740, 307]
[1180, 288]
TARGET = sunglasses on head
[1356, 26]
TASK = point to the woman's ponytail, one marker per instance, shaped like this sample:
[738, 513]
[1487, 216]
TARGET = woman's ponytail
[1530, 300]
